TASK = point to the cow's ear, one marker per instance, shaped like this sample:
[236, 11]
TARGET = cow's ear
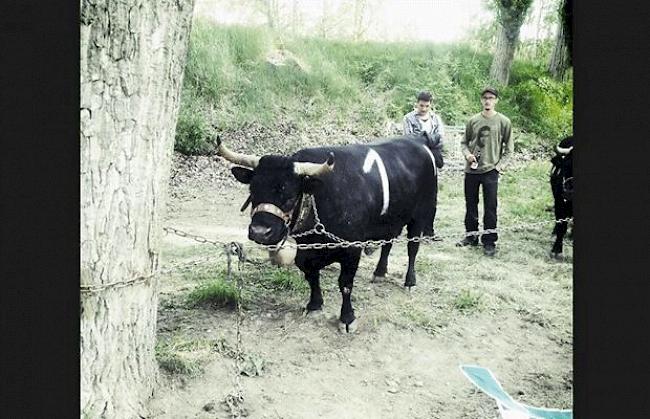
[242, 174]
[311, 184]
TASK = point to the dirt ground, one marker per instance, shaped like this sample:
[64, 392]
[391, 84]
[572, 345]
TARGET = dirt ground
[512, 314]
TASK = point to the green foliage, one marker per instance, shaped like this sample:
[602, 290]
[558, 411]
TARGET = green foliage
[527, 192]
[285, 279]
[216, 291]
[192, 128]
[547, 105]
[512, 12]
[467, 301]
[234, 81]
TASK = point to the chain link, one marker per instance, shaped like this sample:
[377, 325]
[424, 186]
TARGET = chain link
[235, 400]
[114, 285]
[229, 247]
[340, 243]
[196, 237]
[319, 229]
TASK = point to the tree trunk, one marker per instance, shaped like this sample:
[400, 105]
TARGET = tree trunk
[510, 16]
[561, 57]
[507, 39]
[559, 62]
[270, 8]
[132, 58]
[358, 26]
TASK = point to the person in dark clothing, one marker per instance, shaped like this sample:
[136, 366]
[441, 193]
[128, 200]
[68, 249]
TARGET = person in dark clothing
[487, 146]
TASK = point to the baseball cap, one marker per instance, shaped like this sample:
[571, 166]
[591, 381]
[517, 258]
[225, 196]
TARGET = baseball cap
[490, 90]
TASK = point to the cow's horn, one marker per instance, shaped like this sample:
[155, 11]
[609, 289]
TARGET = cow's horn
[563, 150]
[237, 158]
[314, 169]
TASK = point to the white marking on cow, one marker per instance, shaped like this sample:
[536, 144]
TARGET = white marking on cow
[433, 160]
[372, 158]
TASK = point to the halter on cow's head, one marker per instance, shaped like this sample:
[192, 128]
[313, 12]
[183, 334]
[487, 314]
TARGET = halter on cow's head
[277, 184]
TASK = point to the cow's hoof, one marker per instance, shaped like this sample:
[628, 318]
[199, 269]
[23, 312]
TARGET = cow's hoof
[409, 284]
[348, 328]
[557, 256]
[368, 250]
[314, 305]
[314, 314]
[378, 278]
[408, 288]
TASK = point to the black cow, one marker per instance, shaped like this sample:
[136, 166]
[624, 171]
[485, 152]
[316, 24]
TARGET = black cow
[562, 187]
[361, 192]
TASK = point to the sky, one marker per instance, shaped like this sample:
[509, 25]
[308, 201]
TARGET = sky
[393, 20]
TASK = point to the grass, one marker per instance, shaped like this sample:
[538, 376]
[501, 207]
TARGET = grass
[527, 192]
[175, 364]
[285, 279]
[213, 290]
[467, 301]
[180, 356]
[351, 87]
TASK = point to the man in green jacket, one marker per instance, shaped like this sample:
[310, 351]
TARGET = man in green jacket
[487, 146]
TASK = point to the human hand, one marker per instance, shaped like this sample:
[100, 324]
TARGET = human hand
[471, 158]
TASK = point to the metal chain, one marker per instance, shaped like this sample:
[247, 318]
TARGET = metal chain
[319, 229]
[235, 400]
[228, 246]
[114, 285]
[196, 237]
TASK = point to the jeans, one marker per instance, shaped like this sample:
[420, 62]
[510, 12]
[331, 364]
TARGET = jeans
[490, 182]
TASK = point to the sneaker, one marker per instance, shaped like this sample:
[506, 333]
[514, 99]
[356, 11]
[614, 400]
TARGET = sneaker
[468, 241]
[489, 249]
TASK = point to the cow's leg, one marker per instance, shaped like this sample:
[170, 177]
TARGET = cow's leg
[349, 265]
[414, 229]
[421, 224]
[569, 213]
[311, 265]
[413, 248]
[561, 212]
[316, 297]
[560, 228]
[382, 265]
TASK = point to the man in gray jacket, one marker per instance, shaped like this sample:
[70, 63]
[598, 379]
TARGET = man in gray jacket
[423, 119]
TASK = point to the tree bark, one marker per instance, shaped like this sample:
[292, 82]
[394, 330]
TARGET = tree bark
[507, 40]
[561, 57]
[559, 62]
[510, 15]
[132, 58]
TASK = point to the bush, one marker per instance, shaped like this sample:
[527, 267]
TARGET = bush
[544, 106]
[230, 81]
[192, 128]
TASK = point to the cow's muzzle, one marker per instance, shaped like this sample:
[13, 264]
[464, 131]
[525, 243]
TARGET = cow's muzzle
[269, 224]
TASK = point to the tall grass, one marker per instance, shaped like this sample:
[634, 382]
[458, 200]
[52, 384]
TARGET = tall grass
[232, 83]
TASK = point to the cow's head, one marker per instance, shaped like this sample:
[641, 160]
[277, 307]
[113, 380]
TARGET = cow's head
[276, 186]
[563, 161]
